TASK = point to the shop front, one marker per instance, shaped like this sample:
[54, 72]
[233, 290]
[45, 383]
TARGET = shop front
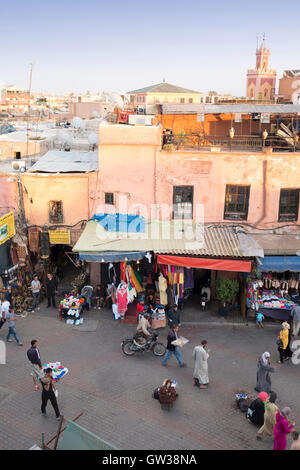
[274, 288]
[167, 268]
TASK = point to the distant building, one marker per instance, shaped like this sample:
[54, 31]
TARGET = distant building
[163, 93]
[13, 99]
[289, 86]
[261, 81]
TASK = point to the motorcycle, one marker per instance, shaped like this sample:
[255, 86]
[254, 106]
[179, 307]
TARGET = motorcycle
[138, 344]
[203, 301]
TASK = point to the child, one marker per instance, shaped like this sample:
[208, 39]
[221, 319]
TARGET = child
[259, 320]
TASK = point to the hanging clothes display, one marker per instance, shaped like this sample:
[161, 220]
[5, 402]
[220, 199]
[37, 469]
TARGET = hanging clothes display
[112, 276]
[162, 283]
[122, 298]
[133, 280]
[188, 278]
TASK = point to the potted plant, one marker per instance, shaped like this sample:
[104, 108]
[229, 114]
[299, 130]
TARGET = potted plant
[226, 290]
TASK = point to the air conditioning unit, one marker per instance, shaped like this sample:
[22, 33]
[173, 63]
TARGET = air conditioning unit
[19, 166]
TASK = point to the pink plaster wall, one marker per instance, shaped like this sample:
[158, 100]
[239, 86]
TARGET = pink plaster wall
[131, 163]
[72, 189]
[8, 194]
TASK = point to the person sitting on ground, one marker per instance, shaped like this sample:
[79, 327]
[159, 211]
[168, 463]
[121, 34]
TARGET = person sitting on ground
[98, 297]
[269, 417]
[167, 393]
[296, 442]
[256, 410]
[150, 301]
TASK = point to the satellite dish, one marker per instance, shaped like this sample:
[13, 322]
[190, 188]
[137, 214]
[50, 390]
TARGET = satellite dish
[64, 138]
[93, 139]
[116, 100]
[78, 123]
[96, 114]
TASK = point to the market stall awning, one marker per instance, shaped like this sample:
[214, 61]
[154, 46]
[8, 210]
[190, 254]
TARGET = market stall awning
[163, 237]
[279, 264]
[111, 256]
[206, 263]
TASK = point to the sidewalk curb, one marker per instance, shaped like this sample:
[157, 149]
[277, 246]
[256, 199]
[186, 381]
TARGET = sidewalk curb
[199, 323]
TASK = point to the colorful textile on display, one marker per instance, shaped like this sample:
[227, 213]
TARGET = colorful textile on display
[58, 371]
[122, 298]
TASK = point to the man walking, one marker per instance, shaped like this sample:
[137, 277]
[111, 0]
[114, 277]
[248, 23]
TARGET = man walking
[295, 313]
[51, 288]
[36, 287]
[48, 393]
[33, 355]
[172, 349]
[10, 321]
[173, 316]
[201, 368]
[4, 308]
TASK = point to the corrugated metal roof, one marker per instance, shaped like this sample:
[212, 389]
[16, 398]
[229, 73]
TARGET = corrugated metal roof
[164, 238]
[279, 244]
[163, 88]
[230, 108]
[56, 161]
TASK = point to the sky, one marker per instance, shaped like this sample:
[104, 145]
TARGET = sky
[118, 45]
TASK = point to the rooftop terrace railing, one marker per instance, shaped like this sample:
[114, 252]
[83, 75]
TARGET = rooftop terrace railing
[252, 143]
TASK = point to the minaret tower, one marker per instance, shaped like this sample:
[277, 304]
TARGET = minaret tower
[261, 81]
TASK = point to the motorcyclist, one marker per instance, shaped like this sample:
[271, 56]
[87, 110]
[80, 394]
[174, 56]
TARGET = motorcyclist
[144, 327]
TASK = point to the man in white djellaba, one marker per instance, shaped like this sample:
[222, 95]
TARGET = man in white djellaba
[200, 356]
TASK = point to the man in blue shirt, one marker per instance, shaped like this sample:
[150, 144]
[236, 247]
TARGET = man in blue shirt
[10, 321]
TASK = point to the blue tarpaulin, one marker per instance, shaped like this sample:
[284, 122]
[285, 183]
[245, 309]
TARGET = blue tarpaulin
[112, 256]
[121, 222]
[279, 264]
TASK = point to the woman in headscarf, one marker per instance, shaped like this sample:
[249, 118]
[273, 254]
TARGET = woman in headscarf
[263, 382]
[284, 339]
[269, 417]
[282, 428]
[256, 410]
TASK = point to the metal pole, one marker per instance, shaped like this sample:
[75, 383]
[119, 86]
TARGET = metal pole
[28, 110]
[58, 432]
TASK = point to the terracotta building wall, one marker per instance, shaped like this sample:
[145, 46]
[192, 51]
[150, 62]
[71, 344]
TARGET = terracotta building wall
[71, 189]
[8, 194]
[131, 164]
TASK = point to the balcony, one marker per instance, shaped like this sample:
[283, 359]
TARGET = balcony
[246, 143]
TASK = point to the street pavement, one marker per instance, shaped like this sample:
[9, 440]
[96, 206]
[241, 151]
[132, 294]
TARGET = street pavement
[114, 392]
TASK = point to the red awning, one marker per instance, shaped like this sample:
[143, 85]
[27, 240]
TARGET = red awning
[206, 263]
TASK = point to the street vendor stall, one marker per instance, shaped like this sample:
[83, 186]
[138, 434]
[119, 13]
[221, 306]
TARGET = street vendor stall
[71, 309]
[273, 294]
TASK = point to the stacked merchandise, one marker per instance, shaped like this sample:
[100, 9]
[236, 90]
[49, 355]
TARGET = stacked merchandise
[273, 301]
[58, 371]
[158, 318]
[71, 309]
[269, 294]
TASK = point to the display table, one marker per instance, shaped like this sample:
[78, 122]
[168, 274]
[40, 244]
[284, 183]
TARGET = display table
[282, 314]
[71, 310]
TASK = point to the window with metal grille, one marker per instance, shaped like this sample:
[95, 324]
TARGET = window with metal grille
[182, 100]
[288, 205]
[190, 100]
[236, 202]
[183, 202]
[55, 212]
[109, 198]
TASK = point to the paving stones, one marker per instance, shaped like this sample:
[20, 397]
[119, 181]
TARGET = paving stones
[115, 392]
